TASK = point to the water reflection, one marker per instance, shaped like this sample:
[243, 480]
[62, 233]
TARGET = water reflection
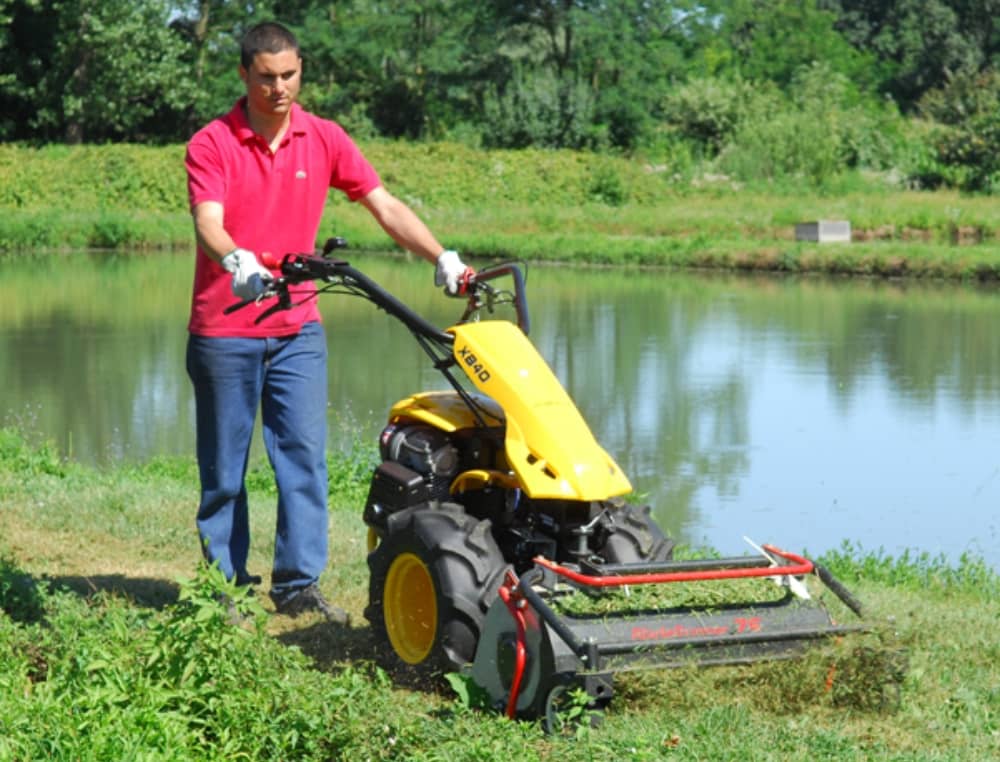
[796, 411]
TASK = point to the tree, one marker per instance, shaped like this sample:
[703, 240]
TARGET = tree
[770, 40]
[599, 69]
[921, 44]
[92, 70]
[400, 68]
[632, 54]
[967, 136]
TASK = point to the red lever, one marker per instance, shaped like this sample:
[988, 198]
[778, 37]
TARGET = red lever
[465, 280]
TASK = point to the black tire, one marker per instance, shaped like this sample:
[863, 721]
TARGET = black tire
[636, 538]
[432, 577]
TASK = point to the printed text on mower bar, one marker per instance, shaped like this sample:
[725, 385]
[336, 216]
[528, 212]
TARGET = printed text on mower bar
[741, 624]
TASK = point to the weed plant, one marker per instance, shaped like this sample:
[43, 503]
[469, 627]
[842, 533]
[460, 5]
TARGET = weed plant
[116, 643]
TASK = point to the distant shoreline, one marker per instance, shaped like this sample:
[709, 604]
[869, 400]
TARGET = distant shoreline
[555, 206]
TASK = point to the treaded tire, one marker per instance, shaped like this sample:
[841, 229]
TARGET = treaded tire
[636, 538]
[432, 578]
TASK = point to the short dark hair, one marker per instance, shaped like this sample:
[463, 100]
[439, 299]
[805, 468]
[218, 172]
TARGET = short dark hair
[266, 37]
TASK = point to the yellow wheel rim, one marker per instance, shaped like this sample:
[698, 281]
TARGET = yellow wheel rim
[409, 606]
[372, 539]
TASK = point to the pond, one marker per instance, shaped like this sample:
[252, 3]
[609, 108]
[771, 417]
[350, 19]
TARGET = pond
[804, 412]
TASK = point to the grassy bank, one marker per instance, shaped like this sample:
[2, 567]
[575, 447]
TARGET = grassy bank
[105, 655]
[536, 205]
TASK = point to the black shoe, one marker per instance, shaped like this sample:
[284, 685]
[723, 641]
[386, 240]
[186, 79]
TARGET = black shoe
[310, 599]
[248, 580]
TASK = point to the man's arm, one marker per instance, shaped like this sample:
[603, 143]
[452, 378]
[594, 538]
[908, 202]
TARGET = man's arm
[212, 236]
[400, 222]
[249, 277]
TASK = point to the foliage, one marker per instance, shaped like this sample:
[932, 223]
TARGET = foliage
[175, 684]
[99, 674]
[17, 455]
[538, 110]
[708, 110]
[209, 32]
[920, 44]
[771, 42]
[595, 71]
[468, 691]
[20, 596]
[681, 82]
[350, 471]
[408, 72]
[967, 142]
[914, 571]
[118, 177]
[86, 70]
[541, 205]
[822, 129]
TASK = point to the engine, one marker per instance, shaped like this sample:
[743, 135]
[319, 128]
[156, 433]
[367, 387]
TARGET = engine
[425, 450]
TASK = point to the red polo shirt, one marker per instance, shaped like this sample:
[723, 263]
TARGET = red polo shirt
[273, 202]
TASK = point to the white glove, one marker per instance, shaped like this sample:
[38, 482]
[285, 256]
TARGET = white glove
[451, 273]
[250, 278]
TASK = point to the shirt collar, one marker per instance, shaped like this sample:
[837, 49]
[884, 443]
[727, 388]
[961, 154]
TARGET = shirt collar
[241, 126]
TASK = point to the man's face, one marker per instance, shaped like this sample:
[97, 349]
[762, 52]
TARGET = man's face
[273, 81]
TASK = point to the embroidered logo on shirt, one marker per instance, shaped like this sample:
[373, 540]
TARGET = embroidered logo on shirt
[300, 174]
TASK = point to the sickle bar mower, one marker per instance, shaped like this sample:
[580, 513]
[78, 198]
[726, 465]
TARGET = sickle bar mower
[530, 653]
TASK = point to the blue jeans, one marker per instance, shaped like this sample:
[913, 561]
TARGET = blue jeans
[287, 377]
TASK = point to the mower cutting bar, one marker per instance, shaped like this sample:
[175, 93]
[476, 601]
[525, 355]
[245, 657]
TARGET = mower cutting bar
[739, 634]
[721, 641]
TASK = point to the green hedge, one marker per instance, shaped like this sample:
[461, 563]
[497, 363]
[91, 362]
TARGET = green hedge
[133, 177]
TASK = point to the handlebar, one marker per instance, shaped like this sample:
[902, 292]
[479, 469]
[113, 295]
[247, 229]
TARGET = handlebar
[338, 276]
[481, 294]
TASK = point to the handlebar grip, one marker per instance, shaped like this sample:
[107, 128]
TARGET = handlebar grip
[259, 286]
[332, 244]
[490, 272]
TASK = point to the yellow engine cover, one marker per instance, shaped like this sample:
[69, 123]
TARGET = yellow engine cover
[548, 444]
[445, 410]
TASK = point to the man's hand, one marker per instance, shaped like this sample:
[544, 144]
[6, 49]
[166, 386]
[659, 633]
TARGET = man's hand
[250, 279]
[452, 273]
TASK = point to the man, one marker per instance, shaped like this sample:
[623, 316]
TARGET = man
[257, 183]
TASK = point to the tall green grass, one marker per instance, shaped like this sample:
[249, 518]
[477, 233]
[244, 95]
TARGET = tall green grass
[114, 645]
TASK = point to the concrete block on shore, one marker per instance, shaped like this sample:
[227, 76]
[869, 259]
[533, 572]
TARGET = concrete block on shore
[824, 231]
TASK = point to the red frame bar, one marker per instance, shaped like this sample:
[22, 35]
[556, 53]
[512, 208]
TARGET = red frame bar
[797, 566]
[509, 596]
